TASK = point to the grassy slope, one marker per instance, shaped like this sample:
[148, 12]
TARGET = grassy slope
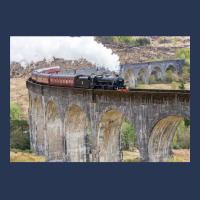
[19, 95]
[182, 155]
[25, 157]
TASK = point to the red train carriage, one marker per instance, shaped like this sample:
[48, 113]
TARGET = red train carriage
[43, 78]
[42, 75]
[63, 80]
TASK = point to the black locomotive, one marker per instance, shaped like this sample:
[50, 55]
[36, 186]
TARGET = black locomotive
[101, 82]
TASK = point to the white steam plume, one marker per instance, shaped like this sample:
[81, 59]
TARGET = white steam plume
[27, 49]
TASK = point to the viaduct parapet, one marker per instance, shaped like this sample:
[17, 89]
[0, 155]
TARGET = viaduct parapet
[60, 117]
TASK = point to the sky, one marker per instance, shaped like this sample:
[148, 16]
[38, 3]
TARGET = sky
[24, 49]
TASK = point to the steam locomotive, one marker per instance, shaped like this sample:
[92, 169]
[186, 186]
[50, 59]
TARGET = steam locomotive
[51, 76]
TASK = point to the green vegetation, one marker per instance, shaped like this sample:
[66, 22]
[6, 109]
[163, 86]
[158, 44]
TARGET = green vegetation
[23, 151]
[140, 86]
[168, 76]
[182, 135]
[128, 137]
[185, 73]
[174, 85]
[19, 134]
[14, 112]
[184, 54]
[182, 86]
[175, 41]
[153, 79]
[125, 39]
[170, 40]
[161, 40]
[177, 158]
[142, 42]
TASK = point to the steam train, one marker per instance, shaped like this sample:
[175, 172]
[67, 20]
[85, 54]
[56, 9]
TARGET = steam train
[53, 76]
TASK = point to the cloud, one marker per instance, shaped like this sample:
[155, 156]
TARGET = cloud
[27, 49]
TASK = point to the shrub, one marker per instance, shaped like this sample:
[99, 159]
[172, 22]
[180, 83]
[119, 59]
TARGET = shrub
[170, 40]
[142, 42]
[168, 76]
[152, 79]
[175, 41]
[184, 54]
[176, 146]
[187, 122]
[182, 86]
[183, 135]
[174, 85]
[185, 73]
[14, 112]
[18, 139]
[116, 39]
[28, 151]
[15, 150]
[161, 40]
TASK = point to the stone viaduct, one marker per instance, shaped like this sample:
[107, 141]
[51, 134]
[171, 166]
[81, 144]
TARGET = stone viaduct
[60, 116]
[145, 70]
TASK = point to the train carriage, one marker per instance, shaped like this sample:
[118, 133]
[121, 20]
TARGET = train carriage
[43, 78]
[63, 80]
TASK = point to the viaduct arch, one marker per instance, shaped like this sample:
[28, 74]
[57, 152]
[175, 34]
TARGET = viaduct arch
[65, 113]
[145, 70]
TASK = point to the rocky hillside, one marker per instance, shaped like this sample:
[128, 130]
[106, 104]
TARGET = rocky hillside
[161, 49]
[158, 49]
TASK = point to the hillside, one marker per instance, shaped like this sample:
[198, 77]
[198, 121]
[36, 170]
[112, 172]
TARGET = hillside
[133, 54]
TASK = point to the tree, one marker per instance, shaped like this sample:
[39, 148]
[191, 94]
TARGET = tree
[184, 54]
[19, 139]
[152, 79]
[168, 76]
[182, 86]
[128, 136]
[14, 112]
[174, 85]
[183, 135]
[185, 73]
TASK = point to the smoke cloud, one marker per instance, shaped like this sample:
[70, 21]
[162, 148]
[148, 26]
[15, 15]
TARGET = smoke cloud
[33, 49]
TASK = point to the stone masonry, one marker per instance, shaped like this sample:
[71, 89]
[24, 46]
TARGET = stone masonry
[60, 116]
